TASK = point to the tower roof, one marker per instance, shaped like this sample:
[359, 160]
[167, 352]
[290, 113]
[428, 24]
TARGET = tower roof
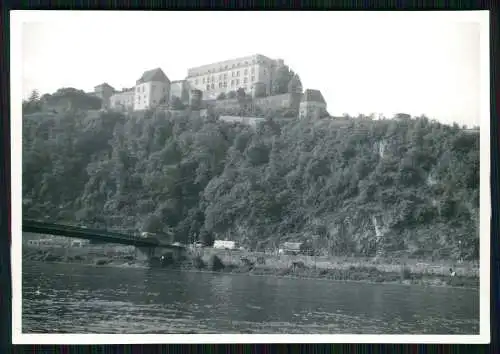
[153, 75]
[313, 96]
[104, 84]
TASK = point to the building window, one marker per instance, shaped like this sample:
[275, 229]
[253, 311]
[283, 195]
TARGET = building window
[225, 67]
[253, 78]
[237, 82]
[212, 79]
[232, 82]
[225, 76]
[246, 71]
[203, 80]
[253, 70]
[208, 87]
[225, 84]
[212, 86]
[238, 73]
[220, 84]
[245, 80]
[246, 62]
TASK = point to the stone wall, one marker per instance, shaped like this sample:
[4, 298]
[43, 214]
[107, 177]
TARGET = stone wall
[252, 121]
[284, 101]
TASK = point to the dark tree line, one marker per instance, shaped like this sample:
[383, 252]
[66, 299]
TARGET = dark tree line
[355, 186]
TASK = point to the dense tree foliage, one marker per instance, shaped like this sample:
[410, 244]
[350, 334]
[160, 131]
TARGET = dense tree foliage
[286, 81]
[176, 103]
[354, 186]
[64, 98]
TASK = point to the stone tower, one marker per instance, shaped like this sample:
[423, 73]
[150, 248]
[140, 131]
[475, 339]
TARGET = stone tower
[258, 89]
[195, 99]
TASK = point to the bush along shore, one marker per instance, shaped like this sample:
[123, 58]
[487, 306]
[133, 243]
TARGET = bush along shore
[257, 266]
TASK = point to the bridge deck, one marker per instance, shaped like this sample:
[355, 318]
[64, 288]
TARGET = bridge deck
[91, 234]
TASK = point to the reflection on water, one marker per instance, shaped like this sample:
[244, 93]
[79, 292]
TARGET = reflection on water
[86, 299]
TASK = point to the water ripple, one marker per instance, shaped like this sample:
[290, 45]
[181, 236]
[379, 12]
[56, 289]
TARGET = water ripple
[82, 299]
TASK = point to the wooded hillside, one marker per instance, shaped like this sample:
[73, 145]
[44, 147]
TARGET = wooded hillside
[359, 186]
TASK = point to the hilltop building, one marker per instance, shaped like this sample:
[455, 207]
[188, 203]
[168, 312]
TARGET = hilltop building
[204, 84]
[151, 89]
[229, 75]
[104, 91]
[123, 101]
[312, 104]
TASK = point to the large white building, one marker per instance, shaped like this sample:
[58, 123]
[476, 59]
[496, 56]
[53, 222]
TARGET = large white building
[122, 101]
[151, 89]
[230, 75]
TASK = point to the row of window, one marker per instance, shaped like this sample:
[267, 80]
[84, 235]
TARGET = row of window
[224, 76]
[118, 102]
[153, 87]
[130, 102]
[226, 67]
[233, 83]
[225, 83]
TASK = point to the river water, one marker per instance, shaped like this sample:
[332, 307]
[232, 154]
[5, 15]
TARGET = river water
[73, 298]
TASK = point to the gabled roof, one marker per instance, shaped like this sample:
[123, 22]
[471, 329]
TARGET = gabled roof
[153, 75]
[313, 96]
[105, 84]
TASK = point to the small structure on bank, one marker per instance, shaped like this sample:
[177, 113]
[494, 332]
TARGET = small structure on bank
[222, 244]
[291, 248]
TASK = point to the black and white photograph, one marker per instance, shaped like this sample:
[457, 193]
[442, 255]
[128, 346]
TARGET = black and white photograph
[248, 176]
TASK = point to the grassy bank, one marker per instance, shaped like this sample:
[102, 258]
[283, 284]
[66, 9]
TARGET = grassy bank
[342, 268]
[258, 264]
[97, 255]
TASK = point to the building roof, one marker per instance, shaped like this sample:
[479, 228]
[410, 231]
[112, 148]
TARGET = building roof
[292, 245]
[177, 81]
[153, 75]
[313, 96]
[105, 84]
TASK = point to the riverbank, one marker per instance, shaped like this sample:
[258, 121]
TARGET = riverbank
[231, 263]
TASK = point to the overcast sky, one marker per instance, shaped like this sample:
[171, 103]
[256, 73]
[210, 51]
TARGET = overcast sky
[371, 62]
